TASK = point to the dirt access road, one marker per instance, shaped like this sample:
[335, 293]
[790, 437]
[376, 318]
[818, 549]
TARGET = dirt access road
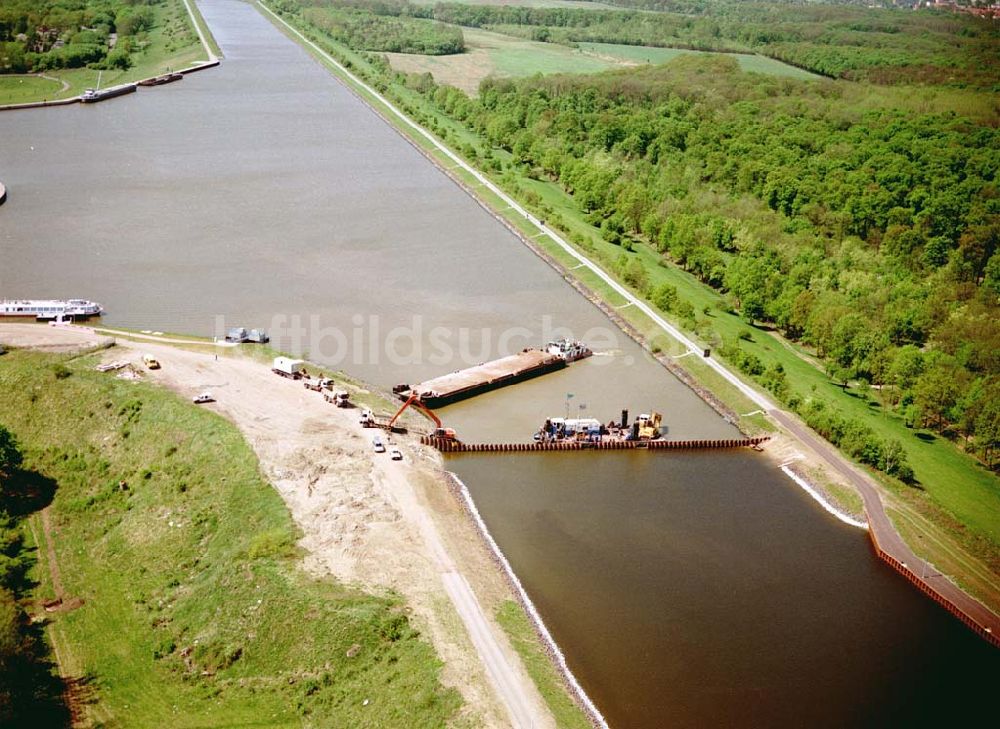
[366, 520]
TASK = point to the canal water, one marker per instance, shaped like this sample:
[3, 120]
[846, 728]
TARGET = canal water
[685, 589]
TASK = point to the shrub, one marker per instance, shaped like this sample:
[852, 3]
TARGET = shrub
[272, 543]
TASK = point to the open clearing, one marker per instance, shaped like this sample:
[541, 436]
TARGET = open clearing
[650, 54]
[502, 56]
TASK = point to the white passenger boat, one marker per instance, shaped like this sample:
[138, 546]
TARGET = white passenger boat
[49, 309]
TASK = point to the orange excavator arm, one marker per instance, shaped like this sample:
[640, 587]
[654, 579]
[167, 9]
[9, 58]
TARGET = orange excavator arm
[415, 402]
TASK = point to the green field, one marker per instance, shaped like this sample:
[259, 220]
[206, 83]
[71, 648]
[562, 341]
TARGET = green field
[22, 89]
[503, 56]
[172, 44]
[650, 54]
[539, 666]
[495, 54]
[195, 611]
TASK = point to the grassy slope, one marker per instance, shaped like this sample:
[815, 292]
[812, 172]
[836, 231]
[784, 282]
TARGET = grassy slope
[194, 563]
[22, 89]
[173, 45]
[539, 666]
[654, 55]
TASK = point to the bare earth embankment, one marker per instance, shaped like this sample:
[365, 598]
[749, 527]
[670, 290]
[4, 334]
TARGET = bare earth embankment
[367, 520]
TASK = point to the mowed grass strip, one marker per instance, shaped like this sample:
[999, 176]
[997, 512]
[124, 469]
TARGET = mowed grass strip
[195, 610]
[539, 666]
[22, 89]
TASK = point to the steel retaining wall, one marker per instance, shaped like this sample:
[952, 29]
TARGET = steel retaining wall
[925, 587]
[452, 446]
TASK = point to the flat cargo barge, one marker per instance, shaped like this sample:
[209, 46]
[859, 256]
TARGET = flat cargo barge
[91, 96]
[482, 378]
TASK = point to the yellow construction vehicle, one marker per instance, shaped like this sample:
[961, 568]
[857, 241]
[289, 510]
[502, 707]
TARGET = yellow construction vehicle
[649, 426]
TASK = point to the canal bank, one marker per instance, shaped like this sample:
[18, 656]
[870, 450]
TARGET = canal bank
[970, 610]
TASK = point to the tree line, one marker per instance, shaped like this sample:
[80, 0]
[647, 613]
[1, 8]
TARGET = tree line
[880, 45]
[363, 30]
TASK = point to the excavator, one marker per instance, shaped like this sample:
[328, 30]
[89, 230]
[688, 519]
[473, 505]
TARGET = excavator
[439, 430]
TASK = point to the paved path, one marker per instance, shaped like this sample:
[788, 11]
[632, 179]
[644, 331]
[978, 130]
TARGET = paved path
[163, 339]
[882, 528]
[508, 681]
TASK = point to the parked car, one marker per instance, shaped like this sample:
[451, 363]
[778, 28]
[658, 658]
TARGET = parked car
[378, 444]
[203, 397]
[396, 454]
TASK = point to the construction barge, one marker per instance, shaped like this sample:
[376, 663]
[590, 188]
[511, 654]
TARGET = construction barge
[472, 381]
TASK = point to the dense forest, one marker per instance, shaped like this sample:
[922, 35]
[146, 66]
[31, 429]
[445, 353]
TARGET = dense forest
[880, 46]
[869, 235]
[364, 31]
[39, 35]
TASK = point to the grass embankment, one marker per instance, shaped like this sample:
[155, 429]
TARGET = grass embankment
[195, 612]
[515, 623]
[954, 493]
[21, 89]
[171, 44]
[205, 29]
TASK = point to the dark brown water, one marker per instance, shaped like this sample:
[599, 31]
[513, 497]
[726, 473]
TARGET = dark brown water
[696, 589]
[699, 589]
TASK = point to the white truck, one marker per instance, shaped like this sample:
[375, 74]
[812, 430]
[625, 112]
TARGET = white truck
[340, 398]
[287, 367]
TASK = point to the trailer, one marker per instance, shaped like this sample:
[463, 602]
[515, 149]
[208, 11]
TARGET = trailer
[293, 369]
